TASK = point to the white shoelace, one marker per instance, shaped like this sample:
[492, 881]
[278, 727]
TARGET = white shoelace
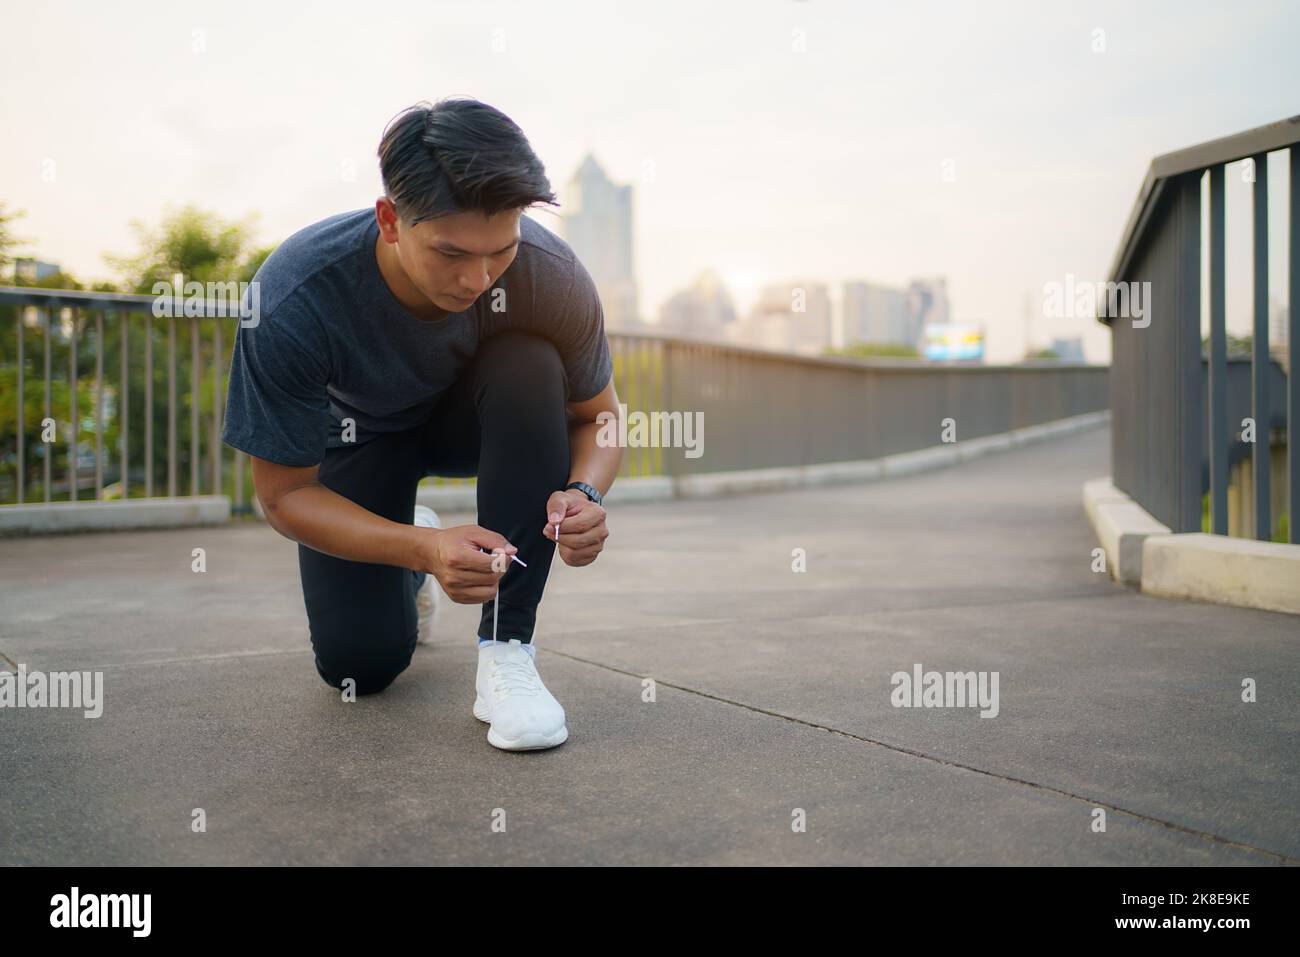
[496, 599]
[511, 677]
[517, 675]
[514, 677]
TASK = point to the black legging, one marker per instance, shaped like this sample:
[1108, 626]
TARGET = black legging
[503, 420]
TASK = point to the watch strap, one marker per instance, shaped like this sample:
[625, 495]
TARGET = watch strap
[586, 490]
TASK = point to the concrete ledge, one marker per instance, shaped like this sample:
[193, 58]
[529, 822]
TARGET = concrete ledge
[907, 463]
[1230, 571]
[1047, 430]
[843, 473]
[663, 488]
[1215, 568]
[448, 498]
[974, 448]
[115, 516]
[464, 498]
[1121, 526]
[740, 481]
[645, 488]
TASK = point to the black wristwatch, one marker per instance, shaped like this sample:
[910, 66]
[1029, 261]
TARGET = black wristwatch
[586, 490]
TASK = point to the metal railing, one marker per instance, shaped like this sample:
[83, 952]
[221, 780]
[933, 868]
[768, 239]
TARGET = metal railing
[1176, 428]
[106, 342]
[765, 409]
[759, 408]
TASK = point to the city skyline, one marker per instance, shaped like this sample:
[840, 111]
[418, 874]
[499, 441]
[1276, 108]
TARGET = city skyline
[815, 139]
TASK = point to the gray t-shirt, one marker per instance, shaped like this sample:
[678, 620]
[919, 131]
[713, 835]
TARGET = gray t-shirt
[332, 342]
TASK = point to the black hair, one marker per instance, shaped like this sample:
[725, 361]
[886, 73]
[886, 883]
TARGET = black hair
[459, 155]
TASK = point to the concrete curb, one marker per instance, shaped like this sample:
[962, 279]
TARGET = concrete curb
[1215, 568]
[664, 488]
[1230, 571]
[1121, 526]
[116, 516]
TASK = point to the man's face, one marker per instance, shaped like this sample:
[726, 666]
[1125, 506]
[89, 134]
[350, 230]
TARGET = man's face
[454, 259]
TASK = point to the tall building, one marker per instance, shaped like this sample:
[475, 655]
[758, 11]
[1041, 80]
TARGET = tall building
[794, 317]
[876, 314]
[703, 310]
[927, 305]
[597, 224]
[30, 271]
[884, 315]
[1279, 334]
[1277, 325]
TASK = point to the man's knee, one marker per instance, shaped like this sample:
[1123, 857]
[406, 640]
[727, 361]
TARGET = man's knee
[521, 362]
[361, 671]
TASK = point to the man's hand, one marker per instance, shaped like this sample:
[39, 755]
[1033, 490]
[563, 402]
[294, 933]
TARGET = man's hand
[582, 526]
[453, 556]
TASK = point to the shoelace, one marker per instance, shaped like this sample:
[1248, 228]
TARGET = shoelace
[514, 677]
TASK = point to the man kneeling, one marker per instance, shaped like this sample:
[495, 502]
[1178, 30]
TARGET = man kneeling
[442, 332]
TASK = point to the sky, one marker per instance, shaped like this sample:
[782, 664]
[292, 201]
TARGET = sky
[993, 144]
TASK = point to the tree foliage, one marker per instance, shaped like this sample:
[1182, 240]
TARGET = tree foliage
[198, 244]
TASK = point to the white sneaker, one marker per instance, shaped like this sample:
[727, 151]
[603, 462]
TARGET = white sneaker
[429, 596]
[523, 715]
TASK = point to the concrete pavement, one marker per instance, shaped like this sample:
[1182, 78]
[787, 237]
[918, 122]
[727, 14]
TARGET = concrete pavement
[772, 693]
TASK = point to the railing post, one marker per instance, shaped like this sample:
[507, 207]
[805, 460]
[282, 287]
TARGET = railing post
[1293, 357]
[22, 411]
[216, 407]
[1260, 363]
[195, 381]
[124, 468]
[49, 447]
[74, 438]
[148, 405]
[99, 405]
[1219, 436]
[1187, 376]
[171, 407]
[670, 354]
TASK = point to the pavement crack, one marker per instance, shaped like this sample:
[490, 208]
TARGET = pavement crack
[1209, 836]
[214, 656]
[878, 613]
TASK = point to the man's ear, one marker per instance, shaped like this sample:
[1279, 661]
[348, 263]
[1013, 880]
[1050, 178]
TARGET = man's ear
[386, 216]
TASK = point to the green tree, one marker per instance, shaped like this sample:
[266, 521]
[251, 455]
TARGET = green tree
[201, 246]
[198, 244]
[890, 350]
[1234, 345]
[8, 241]
[253, 262]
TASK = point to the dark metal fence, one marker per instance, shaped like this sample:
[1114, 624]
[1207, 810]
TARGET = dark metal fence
[1176, 413]
[764, 409]
[150, 420]
[104, 344]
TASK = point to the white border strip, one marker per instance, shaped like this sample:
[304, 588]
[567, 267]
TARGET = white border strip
[115, 516]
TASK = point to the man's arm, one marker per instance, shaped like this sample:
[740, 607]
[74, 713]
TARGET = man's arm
[589, 462]
[303, 510]
[581, 521]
